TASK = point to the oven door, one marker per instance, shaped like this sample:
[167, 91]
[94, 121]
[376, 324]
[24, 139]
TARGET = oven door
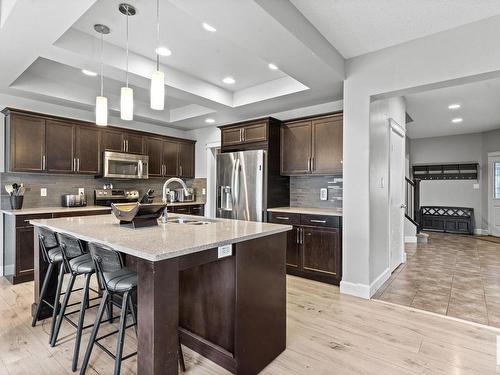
[125, 166]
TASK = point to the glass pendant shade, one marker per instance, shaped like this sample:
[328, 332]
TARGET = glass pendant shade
[158, 90]
[101, 110]
[127, 104]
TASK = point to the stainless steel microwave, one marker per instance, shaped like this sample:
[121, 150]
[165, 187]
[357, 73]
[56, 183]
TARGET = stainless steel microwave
[124, 165]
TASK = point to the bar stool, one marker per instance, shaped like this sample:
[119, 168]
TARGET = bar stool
[78, 263]
[118, 281]
[51, 254]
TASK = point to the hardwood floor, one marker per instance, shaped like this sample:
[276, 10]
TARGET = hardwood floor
[327, 333]
[454, 275]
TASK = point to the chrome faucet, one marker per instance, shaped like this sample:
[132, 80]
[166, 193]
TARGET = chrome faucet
[164, 195]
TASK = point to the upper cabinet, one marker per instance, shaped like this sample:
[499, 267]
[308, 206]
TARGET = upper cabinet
[42, 143]
[250, 132]
[312, 146]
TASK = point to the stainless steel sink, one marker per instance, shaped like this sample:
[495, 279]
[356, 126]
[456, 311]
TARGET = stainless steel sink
[190, 221]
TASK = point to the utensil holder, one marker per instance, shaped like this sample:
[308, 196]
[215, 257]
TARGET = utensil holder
[16, 202]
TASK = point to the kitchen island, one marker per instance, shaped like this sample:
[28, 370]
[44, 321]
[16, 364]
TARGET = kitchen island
[228, 306]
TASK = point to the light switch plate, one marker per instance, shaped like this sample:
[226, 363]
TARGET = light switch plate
[43, 192]
[475, 186]
[224, 251]
[81, 191]
[323, 194]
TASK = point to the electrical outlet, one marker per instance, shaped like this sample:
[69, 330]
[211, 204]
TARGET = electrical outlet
[475, 186]
[224, 251]
[323, 194]
[81, 191]
[203, 191]
[43, 192]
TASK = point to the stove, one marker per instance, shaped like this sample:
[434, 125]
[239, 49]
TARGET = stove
[104, 197]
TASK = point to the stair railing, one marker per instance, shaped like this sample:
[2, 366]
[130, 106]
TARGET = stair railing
[412, 201]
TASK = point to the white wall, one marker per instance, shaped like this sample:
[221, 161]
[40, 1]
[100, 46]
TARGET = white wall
[450, 149]
[443, 58]
[491, 143]
[203, 137]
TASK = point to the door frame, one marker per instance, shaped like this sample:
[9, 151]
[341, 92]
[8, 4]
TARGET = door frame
[211, 154]
[491, 156]
[401, 132]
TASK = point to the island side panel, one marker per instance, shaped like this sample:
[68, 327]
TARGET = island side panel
[260, 302]
[157, 316]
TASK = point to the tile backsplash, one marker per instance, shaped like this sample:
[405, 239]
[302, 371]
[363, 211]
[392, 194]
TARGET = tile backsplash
[305, 190]
[58, 185]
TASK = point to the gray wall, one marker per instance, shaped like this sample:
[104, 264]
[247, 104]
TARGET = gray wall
[452, 149]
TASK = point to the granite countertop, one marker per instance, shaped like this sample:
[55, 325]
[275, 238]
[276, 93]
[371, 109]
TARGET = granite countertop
[165, 240]
[308, 211]
[50, 210]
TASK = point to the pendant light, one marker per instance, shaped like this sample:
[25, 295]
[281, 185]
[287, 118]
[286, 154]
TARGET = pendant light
[157, 91]
[127, 94]
[101, 102]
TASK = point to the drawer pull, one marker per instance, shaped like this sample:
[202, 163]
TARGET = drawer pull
[282, 218]
[318, 221]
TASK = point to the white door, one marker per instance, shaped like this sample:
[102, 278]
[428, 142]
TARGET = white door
[396, 194]
[494, 193]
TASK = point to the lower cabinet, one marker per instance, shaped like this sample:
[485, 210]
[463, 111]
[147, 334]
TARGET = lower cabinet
[314, 246]
[18, 243]
[188, 209]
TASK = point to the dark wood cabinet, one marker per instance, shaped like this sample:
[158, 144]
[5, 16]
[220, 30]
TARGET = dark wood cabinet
[18, 264]
[25, 143]
[88, 150]
[113, 140]
[296, 148]
[246, 132]
[170, 158]
[314, 246]
[312, 146]
[154, 150]
[188, 209]
[134, 143]
[60, 147]
[186, 160]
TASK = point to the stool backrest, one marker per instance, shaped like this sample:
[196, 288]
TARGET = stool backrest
[71, 247]
[47, 240]
[106, 260]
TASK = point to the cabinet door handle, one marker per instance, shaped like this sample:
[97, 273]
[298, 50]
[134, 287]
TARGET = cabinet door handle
[74, 165]
[309, 164]
[282, 218]
[78, 164]
[301, 235]
[297, 236]
[180, 170]
[318, 221]
[312, 164]
[43, 162]
[243, 134]
[127, 144]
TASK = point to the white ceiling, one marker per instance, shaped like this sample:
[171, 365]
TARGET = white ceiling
[303, 38]
[357, 27]
[480, 109]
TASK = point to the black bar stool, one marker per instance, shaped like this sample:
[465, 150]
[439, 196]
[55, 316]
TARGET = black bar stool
[52, 254]
[78, 263]
[118, 281]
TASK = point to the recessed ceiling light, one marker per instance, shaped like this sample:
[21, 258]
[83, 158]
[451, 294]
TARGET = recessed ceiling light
[209, 120]
[163, 51]
[229, 80]
[272, 66]
[89, 72]
[208, 27]
[457, 120]
[454, 106]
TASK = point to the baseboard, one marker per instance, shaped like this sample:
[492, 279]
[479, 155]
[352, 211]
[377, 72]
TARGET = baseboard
[379, 281]
[363, 290]
[481, 232]
[353, 289]
[410, 239]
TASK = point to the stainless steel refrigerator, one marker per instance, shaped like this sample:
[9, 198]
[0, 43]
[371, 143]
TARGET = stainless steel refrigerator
[241, 185]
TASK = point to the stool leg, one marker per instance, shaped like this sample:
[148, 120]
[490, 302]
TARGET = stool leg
[121, 334]
[56, 300]
[132, 311]
[81, 320]
[62, 311]
[45, 285]
[181, 355]
[93, 335]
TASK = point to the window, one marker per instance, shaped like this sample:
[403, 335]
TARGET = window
[496, 180]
